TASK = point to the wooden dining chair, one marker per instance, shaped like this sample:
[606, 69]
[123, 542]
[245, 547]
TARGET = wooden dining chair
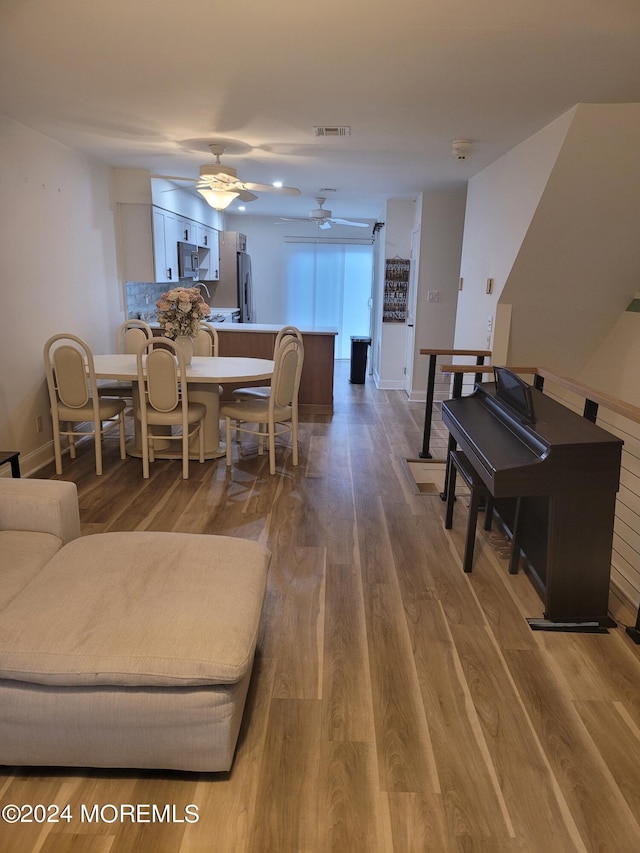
[278, 412]
[164, 401]
[75, 401]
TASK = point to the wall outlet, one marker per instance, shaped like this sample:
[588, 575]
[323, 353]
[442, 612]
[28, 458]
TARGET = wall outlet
[433, 296]
[39, 426]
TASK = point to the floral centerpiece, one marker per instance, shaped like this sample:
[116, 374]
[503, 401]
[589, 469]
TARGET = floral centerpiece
[180, 311]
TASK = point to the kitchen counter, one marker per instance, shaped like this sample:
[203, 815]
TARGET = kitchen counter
[257, 340]
[273, 329]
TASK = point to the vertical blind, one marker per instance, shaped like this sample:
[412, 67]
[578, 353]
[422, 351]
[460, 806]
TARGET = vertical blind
[330, 285]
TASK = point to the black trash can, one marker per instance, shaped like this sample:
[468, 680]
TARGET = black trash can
[359, 359]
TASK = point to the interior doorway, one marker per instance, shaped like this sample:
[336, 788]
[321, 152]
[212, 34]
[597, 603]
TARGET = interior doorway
[412, 299]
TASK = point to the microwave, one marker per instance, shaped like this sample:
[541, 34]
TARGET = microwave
[188, 260]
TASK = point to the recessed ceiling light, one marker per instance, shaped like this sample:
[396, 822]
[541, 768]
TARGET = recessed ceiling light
[277, 184]
[242, 207]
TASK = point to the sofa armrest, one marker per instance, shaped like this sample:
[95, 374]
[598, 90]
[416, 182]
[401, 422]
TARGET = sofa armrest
[42, 506]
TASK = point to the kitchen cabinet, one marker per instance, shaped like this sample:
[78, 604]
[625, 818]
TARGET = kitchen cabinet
[148, 239]
[208, 253]
[186, 230]
[257, 341]
[165, 246]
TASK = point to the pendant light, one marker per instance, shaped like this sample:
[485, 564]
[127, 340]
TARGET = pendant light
[218, 199]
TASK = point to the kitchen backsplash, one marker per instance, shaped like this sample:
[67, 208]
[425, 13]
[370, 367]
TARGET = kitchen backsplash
[142, 297]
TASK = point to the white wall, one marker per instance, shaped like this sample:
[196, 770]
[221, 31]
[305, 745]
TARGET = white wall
[441, 227]
[555, 224]
[501, 202]
[57, 244]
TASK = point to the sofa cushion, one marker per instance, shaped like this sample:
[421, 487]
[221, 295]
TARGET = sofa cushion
[23, 556]
[138, 609]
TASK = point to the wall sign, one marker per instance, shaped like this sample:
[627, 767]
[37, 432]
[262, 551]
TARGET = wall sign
[396, 289]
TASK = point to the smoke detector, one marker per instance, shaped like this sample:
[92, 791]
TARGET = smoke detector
[461, 148]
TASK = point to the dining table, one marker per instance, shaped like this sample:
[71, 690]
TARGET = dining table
[204, 375]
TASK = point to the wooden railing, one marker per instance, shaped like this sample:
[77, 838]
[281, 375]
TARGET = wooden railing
[593, 399]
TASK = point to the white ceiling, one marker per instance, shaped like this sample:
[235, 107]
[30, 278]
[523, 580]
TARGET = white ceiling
[148, 83]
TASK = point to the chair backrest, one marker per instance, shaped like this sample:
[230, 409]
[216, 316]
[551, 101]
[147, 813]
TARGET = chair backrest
[206, 341]
[284, 332]
[160, 365]
[131, 334]
[287, 371]
[71, 377]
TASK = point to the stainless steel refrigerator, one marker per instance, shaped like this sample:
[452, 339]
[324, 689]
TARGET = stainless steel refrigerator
[235, 287]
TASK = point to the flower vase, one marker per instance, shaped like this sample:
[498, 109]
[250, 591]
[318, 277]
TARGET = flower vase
[186, 345]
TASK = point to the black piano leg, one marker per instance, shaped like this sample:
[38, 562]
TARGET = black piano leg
[470, 542]
[514, 562]
[450, 446]
[479, 496]
[450, 493]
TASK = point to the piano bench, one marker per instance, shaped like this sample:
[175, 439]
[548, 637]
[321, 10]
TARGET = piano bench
[458, 462]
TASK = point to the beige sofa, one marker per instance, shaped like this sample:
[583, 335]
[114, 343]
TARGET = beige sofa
[121, 649]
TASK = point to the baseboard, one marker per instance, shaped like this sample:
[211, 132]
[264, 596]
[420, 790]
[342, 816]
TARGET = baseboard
[621, 607]
[31, 463]
[390, 384]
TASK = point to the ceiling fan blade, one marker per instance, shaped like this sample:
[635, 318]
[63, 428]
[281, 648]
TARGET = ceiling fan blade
[175, 178]
[245, 195]
[268, 188]
[292, 219]
[326, 224]
[350, 222]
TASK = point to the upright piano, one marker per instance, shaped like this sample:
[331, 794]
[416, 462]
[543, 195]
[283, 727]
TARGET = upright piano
[565, 470]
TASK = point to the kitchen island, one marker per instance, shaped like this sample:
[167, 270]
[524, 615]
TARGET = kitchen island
[257, 340]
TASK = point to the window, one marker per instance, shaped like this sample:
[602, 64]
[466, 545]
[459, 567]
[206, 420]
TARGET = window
[329, 284]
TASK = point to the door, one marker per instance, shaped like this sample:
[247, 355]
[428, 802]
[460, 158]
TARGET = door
[412, 299]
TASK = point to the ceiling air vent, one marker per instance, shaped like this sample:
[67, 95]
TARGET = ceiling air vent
[325, 130]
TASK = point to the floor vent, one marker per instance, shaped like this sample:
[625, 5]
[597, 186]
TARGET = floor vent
[324, 130]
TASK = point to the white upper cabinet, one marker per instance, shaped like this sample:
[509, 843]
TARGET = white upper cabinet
[165, 246]
[148, 243]
[208, 253]
[186, 230]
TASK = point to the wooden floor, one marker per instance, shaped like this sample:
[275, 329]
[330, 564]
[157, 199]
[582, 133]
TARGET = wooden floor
[396, 703]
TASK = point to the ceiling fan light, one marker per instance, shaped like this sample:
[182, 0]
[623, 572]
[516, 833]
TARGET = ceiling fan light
[218, 199]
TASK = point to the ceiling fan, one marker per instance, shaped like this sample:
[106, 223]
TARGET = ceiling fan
[324, 218]
[220, 185]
